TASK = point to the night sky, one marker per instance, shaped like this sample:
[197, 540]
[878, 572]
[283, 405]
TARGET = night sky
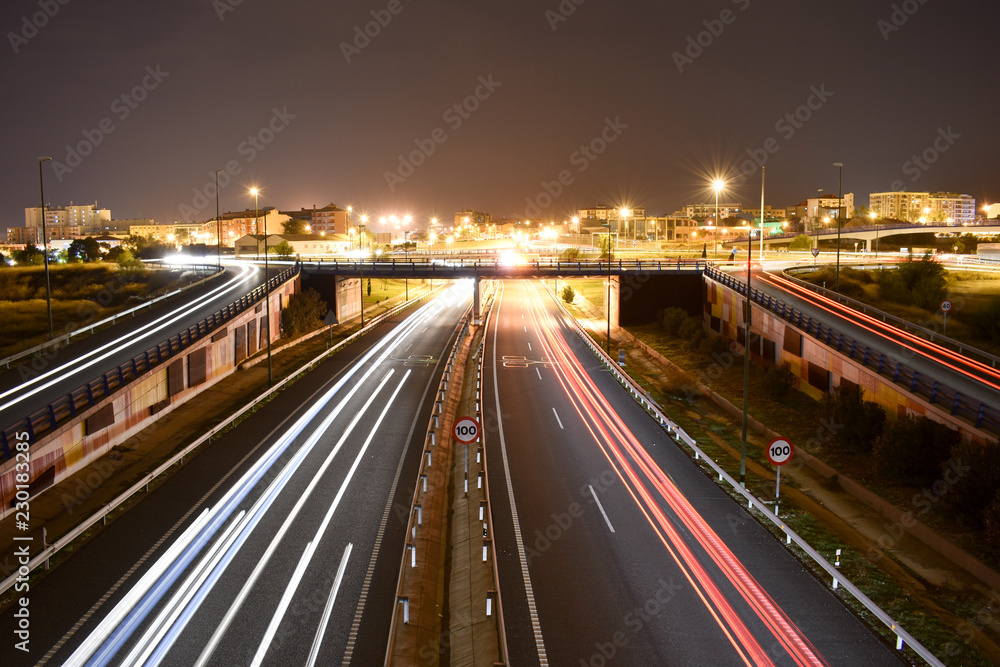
[637, 103]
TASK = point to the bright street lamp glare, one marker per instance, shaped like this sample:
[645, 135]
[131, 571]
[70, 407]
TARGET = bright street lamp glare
[718, 184]
[253, 191]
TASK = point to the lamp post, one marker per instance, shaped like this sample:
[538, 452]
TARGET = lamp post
[267, 286]
[874, 217]
[45, 248]
[218, 220]
[361, 264]
[840, 205]
[746, 340]
[717, 185]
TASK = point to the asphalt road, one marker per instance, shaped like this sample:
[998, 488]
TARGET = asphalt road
[35, 383]
[613, 547]
[970, 378]
[264, 546]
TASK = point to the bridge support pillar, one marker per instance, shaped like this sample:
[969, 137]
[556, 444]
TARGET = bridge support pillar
[476, 312]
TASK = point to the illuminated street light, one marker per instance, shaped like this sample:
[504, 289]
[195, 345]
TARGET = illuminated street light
[718, 185]
[45, 248]
[874, 217]
[267, 284]
[840, 215]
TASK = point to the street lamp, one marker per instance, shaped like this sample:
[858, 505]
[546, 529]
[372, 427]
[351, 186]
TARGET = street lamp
[719, 184]
[840, 204]
[218, 220]
[45, 248]
[625, 213]
[874, 216]
[267, 285]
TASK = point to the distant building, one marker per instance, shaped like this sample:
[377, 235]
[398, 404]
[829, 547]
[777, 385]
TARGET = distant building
[924, 206]
[467, 217]
[331, 219]
[703, 211]
[770, 213]
[603, 212]
[302, 244]
[236, 224]
[829, 206]
[87, 216]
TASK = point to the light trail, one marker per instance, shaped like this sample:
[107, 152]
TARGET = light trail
[621, 447]
[100, 647]
[931, 351]
[95, 356]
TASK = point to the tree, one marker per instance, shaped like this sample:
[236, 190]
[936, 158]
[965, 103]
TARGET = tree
[369, 287]
[604, 242]
[127, 260]
[568, 294]
[284, 249]
[857, 423]
[31, 254]
[305, 312]
[84, 250]
[294, 226]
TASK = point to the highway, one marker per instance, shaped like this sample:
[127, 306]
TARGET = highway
[612, 546]
[29, 387]
[968, 376]
[280, 543]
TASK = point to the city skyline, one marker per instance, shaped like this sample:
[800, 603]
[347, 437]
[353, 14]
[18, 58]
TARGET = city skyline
[429, 108]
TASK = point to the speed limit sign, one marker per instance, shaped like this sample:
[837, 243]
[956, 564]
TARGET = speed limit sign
[466, 430]
[945, 306]
[779, 451]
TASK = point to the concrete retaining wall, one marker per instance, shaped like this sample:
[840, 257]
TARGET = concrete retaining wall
[95, 431]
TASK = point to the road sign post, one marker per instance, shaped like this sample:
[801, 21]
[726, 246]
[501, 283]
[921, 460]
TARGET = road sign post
[779, 452]
[946, 306]
[466, 430]
[815, 254]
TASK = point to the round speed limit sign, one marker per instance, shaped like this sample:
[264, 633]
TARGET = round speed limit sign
[945, 306]
[466, 430]
[779, 451]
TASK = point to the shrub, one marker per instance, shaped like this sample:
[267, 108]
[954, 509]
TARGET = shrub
[305, 312]
[858, 424]
[568, 294]
[570, 253]
[690, 328]
[915, 282]
[991, 522]
[980, 481]
[778, 380]
[713, 344]
[801, 242]
[913, 450]
[671, 320]
[985, 323]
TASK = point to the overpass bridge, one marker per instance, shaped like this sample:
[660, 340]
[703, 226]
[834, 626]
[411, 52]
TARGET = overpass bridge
[874, 232]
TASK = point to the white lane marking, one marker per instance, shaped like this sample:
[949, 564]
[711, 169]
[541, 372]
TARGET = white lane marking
[321, 630]
[529, 592]
[525, 329]
[539, 373]
[556, 414]
[321, 531]
[223, 625]
[601, 507]
[149, 641]
[286, 599]
[529, 347]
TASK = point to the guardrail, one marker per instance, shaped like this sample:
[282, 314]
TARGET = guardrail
[51, 550]
[67, 407]
[429, 268]
[983, 416]
[934, 337]
[678, 435]
[65, 338]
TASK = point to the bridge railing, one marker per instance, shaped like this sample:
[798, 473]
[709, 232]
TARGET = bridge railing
[981, 415]
[67, 407]
[447, 266]
[931, 335]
